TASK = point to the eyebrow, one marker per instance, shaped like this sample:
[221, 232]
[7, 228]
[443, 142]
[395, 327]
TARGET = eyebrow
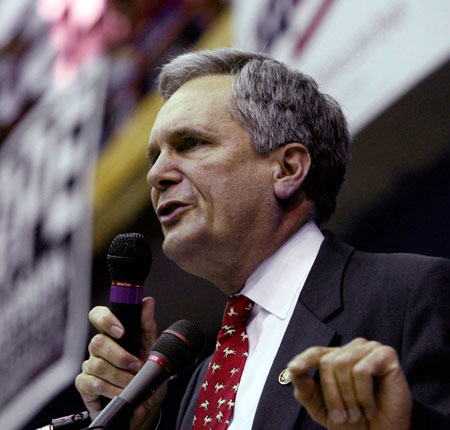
[179, 133]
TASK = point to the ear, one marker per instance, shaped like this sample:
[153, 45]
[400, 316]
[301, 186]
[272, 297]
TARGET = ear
[292, 162]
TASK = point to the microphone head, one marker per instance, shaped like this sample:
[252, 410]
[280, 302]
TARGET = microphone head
[180, 344]
[129, 258]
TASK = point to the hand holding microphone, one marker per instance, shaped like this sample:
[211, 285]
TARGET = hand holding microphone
[117, 367]
[111, 367]
[174, 351]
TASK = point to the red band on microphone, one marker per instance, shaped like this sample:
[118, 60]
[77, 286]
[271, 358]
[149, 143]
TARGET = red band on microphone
[179, 336]
[158, 360]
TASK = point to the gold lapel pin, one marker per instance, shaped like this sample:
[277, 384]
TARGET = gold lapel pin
[284, 378]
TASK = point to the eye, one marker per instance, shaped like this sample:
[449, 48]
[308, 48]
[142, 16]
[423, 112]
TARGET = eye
[190, 143]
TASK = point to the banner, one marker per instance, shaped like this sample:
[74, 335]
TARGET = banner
[365, 54]
[46, 167]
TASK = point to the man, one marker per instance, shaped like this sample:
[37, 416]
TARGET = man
[246, 159]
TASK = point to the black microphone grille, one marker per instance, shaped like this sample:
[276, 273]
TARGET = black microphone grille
[181, 344]
[129, 258]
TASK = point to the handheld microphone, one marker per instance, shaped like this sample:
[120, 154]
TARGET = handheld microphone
[174, 351]
[129, 260]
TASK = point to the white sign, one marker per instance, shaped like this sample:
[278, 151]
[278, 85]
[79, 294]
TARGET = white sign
[45, 244]
[366, 54]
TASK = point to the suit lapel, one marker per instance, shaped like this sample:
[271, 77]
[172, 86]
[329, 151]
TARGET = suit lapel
[320, 298]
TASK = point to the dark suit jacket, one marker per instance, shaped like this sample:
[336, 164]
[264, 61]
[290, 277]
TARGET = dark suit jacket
[401, 300]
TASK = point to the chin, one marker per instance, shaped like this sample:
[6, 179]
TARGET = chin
[181, 250]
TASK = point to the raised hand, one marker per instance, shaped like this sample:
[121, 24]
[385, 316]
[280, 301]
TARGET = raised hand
[362, 386]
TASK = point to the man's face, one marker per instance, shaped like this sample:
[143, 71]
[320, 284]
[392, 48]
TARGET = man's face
[211, 190]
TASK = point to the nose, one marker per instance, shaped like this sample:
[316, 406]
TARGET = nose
[164, 172]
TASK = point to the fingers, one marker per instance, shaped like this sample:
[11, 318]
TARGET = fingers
[346, 392]
[148, 325]
[105, 321]
[306, 391]
[110, 368]
[109, 361]
[337, 374]
[103, 370]
[107, 371]
[106, 348]
[391, 385]
[147, 415]
[91, 388]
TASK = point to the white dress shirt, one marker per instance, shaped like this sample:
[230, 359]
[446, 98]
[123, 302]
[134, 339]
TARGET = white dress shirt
[274, 287]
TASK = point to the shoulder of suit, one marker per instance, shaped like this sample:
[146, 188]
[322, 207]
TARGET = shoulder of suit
[388, 268]
[403, 270]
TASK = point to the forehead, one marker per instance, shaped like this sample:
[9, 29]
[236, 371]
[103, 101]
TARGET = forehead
[202, 103]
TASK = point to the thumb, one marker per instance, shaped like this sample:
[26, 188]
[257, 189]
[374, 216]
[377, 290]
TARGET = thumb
[149, 330]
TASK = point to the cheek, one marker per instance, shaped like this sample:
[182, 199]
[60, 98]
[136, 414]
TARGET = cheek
[154, 198]
[228, 187]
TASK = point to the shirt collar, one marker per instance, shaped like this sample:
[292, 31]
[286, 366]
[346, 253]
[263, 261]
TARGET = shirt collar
[278, 280]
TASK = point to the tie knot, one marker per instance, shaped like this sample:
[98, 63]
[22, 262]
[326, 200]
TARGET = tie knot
[237, 311]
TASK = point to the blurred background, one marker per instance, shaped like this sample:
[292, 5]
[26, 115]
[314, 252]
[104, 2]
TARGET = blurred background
[77, 102]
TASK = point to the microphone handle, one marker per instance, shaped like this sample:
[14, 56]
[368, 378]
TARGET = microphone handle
[130, 317]
[129, 314]
[115, 416]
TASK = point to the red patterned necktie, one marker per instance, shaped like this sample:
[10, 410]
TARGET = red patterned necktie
[218, 393]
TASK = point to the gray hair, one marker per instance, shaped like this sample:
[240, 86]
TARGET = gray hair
[277, 105]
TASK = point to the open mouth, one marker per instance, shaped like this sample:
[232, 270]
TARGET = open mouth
[168, 209]
[171, 211]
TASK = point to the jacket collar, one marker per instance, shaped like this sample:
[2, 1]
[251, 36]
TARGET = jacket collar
[322, 293]
[320, 298]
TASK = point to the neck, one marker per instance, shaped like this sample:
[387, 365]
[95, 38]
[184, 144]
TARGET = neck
[231, 277]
